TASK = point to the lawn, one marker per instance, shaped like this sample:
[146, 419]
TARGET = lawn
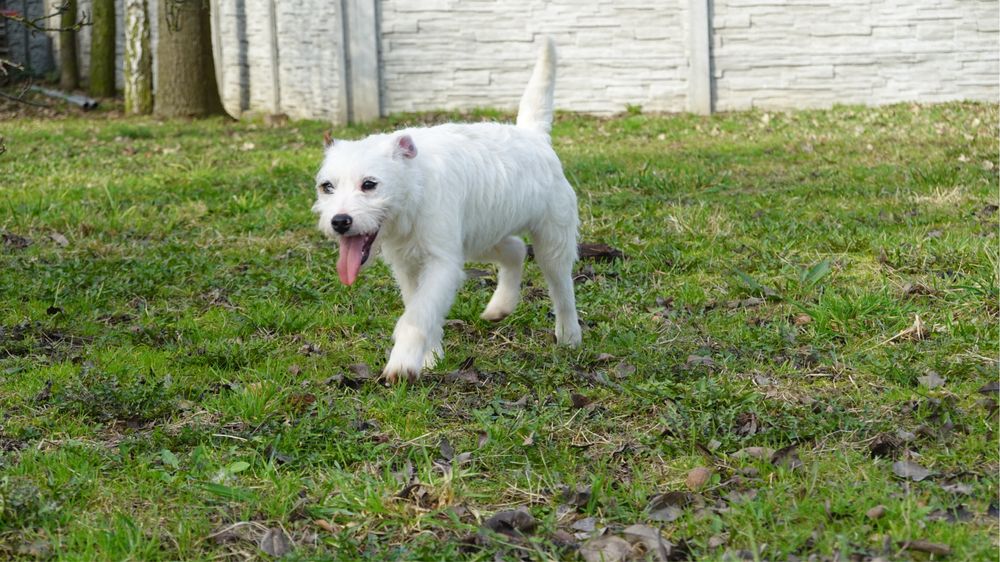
[796, 355]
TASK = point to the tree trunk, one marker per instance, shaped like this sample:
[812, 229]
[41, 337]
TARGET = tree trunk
[138, 59]
[69, 75]
[102, 49]
[186, 71]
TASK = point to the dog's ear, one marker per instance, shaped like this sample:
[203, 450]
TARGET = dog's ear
[327, 139]
[405, 147]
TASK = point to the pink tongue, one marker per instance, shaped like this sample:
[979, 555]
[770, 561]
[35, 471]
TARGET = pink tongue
[349, 262]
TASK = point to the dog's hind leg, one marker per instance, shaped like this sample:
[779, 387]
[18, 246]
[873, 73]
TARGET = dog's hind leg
[508, 255]
[555, 252]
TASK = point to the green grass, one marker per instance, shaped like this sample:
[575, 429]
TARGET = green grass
[168, 373]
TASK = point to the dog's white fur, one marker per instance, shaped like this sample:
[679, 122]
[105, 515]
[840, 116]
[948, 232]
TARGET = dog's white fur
[455, 193]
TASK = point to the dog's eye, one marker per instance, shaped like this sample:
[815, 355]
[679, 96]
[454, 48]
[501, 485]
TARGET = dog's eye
[368, 185]
[326, 187]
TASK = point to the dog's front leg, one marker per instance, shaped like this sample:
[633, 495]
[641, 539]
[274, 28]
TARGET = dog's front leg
[419, 330]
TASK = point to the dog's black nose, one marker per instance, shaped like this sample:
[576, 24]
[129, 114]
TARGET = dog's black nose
[341, 223]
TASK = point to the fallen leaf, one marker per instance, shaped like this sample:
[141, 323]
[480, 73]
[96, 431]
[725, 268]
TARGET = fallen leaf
[931, 380]
[910, 470]
[715, 541]
[275, 542]
[14, 241]
[925, 546]
[624, 370]
[698, 477]
[43, 395]
[876, 512]
[483, 439]
[957, 488]
[669, 506]
[801, 319]
[325, 525]
[470, 376]
[951, 515]
[700, 361]
[599, 252]
[651, 539]
[512, 523]
[754, 453]
[585, 525]
[576, 497]
[529, 440]
[447, 451]
[59, 239]
[883, 446]
[294, 370]
[787, 457]
[578, 400]
[607, 548]
[989, 388]
[916, 331]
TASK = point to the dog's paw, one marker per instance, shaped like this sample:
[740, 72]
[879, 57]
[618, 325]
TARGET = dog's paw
[495, 314]
[431, 357]
[570, 336]
[397, 376]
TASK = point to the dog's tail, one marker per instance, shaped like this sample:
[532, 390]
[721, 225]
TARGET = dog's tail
[535, 111]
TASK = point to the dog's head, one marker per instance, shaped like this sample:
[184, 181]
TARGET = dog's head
[361, 189]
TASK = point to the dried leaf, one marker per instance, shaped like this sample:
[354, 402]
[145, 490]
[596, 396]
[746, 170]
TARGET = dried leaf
[470, 376]
[992, 387]
[511, 522]
[931, 380]
[916, 331]
[59, 239]
[669, 506]
[884, 446]
[698, 477]
[651, 539]
[585, 525]
[578, 497]
[787, 457]
[325, 525]
[754, 453]
[925, 546]
[624, 370]
[275, 542]
[910, 470]
[960, 488]
[607, 548]
[599, 252]
[43, 395]
[578, 400]
[700, 361]
[447, 451]
[876, 512]
[951, 515]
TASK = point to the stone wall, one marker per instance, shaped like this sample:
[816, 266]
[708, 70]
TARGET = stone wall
[479, 53]
[311, 59]
[814, 53]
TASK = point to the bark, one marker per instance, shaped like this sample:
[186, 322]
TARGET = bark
[69, 74]
[138, 69]
[186, 72]
[102, 49]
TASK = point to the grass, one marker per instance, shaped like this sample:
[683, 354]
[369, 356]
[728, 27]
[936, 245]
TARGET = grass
[176, 352]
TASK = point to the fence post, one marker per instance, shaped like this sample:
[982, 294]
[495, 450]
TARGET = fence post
[362, 40]
[700, 70]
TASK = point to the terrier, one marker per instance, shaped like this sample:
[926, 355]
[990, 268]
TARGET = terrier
[432, 198]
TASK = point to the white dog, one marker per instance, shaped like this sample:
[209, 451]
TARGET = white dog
[433, 198]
